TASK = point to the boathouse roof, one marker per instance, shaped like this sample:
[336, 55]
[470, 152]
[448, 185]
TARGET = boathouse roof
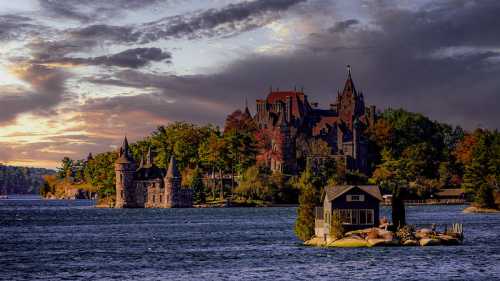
[333, 192]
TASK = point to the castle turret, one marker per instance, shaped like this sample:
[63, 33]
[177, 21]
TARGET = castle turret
[173, 179]
[124, 169]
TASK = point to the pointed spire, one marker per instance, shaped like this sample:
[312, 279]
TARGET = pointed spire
[125, 144]
[172, 171]
[246, 112]
[349, 84]
[149, 157]
[90, 157]
[141, 164]
[124, 155]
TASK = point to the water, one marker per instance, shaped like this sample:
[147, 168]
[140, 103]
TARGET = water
[71, 240]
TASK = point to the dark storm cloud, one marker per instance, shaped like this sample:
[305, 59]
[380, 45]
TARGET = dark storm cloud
[229, 20]
[118, 34]
[16, 27]
[131, 58]
[47, 91]
[410, 59]
[342, 26]
[91, 10]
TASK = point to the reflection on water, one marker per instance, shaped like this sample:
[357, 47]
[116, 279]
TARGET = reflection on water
[71, 240]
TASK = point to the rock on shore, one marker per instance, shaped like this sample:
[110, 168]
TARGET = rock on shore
[473, 209]
[374, 237]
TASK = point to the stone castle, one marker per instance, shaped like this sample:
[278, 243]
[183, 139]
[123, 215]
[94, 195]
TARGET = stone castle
[284, 116]
[148, 186]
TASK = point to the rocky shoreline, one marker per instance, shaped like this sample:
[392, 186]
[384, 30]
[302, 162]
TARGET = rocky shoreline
[373, 237]
[472, 209]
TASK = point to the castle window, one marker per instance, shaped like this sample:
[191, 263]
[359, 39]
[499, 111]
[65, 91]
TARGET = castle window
[161, 198]
[153, 198]
[122, 195]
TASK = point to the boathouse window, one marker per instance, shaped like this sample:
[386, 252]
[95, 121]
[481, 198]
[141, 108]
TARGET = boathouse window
[358, 198]
[356, 216]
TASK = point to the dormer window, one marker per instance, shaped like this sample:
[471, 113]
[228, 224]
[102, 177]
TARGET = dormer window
[355, 198]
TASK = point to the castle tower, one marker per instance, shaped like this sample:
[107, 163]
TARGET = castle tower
[284, 161]
[350, 102]
[173, 179]
[125, 169]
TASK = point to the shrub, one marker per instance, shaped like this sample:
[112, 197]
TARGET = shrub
[337, 230]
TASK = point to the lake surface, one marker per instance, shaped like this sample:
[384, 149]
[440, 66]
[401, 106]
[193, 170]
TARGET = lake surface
[72, 240]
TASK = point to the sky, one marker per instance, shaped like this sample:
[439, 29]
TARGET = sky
[78, 75]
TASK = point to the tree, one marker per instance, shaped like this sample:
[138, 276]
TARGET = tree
[212, 153]
[240, 138]
[398, 207]
[254, 184]
[308, 199]
[66, 169]
[484, 197]
[195, 182]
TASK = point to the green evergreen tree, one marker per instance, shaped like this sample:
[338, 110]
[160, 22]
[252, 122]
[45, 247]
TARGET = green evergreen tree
[308, 198]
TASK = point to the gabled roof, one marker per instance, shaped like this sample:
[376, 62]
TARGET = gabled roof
[333, 192]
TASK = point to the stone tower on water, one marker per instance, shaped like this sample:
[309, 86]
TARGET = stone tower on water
[148, 186]
[125, 168]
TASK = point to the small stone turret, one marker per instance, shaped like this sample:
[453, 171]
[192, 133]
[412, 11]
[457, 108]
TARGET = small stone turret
[173, 181]
[124, 169]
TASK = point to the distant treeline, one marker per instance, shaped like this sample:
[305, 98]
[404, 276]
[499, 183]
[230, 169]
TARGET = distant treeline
[406, 149]
[21, 180]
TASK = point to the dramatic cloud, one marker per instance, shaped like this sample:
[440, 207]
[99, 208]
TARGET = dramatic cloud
[132, 58]
[441, 59]
[91, 10]
[230, 20]
[47, 89]
[15, 27]
[394, 62]
[342, 26]
[118, 34]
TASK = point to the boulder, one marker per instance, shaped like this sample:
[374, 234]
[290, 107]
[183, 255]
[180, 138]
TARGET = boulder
[423, 233]
[429, 242]
[386, 235]
[448, 240]
[376, 242]
[480, 210]
[349, 242]
[410, 243]
[315, 241]
[360, 231]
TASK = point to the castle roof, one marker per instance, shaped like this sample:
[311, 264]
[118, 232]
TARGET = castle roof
[172, 171]
[147, 169]
[281, 121]
[299, 105]
[124, 155]
[349, 83]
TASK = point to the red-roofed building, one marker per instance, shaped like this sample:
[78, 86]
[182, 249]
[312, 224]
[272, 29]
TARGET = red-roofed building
[285, 116]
